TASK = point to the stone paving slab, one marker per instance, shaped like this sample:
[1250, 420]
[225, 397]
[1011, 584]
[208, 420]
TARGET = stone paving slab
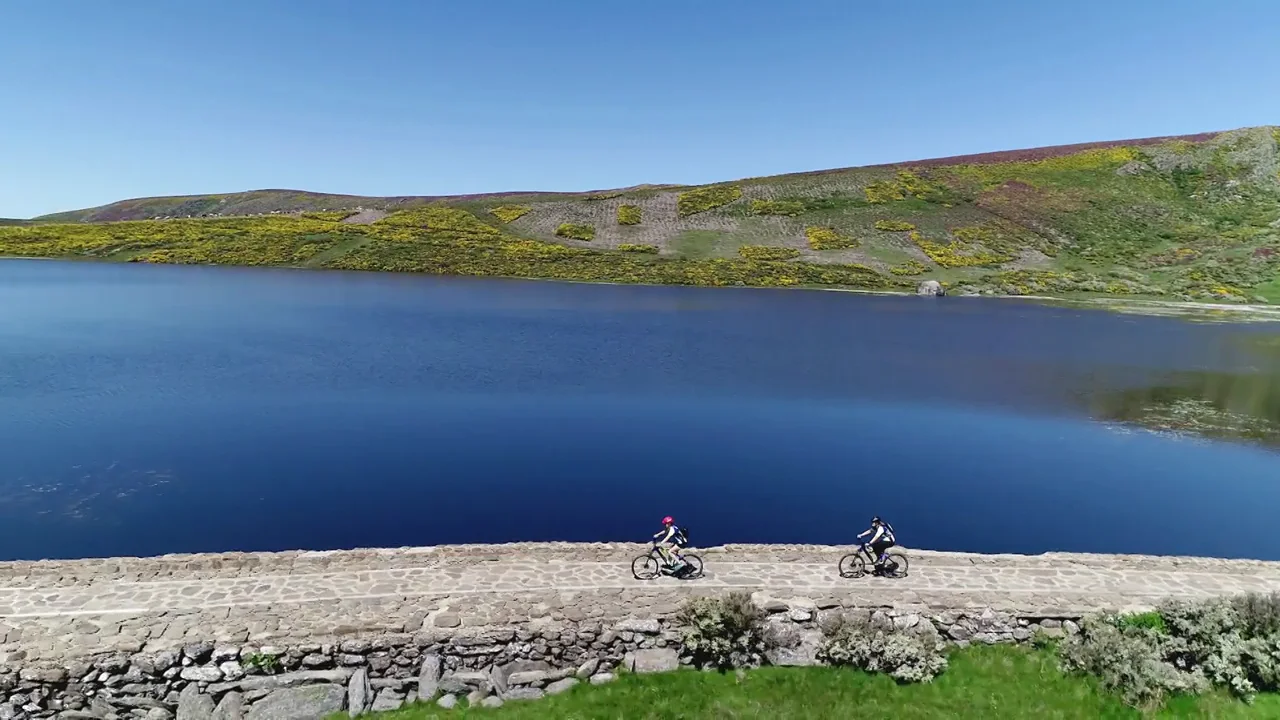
[50, 607]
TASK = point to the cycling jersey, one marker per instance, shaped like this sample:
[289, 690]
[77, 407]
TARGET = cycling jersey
[669, 535]
[883, 533]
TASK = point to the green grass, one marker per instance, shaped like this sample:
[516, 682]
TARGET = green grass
[700, 244]
[982, 682]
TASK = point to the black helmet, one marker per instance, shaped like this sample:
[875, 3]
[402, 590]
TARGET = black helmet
[876, 520]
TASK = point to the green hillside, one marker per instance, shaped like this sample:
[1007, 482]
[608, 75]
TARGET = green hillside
[1193, 218]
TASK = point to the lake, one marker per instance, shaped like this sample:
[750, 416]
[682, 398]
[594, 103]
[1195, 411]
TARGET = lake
[153, 409]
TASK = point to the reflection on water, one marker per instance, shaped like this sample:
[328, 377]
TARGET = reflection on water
[1242, 404]
[80, 492]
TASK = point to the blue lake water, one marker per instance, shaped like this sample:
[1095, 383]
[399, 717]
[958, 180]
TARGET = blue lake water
[151, 409]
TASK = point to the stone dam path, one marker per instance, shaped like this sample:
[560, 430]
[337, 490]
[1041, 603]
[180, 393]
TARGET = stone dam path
[56, 608]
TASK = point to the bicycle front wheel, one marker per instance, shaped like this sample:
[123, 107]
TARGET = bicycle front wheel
[853, 566]
[645, 567]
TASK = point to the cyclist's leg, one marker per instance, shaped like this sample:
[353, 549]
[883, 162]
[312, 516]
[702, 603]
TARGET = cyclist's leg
[665, 550]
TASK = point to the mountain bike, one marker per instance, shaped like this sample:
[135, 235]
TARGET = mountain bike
[653, 564]
[854, 565]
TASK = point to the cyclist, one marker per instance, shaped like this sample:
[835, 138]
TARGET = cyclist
[882, 538]
[669, 541]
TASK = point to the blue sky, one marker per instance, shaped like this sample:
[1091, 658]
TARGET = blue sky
[110, 100]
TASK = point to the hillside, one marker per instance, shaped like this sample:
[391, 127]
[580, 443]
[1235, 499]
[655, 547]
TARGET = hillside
[1195, 217]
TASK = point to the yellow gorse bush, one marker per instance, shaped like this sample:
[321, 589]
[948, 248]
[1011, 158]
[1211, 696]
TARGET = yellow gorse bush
[825, 238]
[510, 213]
[576, 231]
[629, 214]
[638, 248]
[699, 200]
[894, 226]
[768, 253]
[786, 208]
[910, 267]
[956, 253]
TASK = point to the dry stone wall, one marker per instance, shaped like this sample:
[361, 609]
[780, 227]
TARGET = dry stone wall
[300, 635]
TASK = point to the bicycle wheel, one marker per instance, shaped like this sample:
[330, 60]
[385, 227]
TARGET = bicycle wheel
[645, 567]
[853, 566]
[693, 567]
[898, 562]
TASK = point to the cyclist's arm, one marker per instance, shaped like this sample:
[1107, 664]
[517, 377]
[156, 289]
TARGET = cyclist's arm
[864, 533]
[667, 534]
[879, 534]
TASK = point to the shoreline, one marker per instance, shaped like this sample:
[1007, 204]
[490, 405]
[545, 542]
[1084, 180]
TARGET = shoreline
[1135, 306]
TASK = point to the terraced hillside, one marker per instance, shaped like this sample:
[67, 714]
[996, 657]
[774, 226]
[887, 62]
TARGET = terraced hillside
[1193, 218]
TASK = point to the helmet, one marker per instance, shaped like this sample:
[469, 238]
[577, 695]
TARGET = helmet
[876, 520]
[667, 520]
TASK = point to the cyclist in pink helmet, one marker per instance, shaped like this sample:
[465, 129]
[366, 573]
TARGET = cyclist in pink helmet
[669, 541]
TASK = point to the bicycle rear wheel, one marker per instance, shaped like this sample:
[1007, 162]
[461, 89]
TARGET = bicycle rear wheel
[853, 566]
[693, 567]
[645, 567]
[896, 566]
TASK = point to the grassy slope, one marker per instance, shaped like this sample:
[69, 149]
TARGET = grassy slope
[982, 682]
[1187, 218]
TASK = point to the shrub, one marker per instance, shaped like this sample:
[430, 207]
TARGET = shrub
[910, 267]
[576, 231]
[629, 214]
[1184, 647]
[636, 248]
[825, 238]
[724, 633]
[883, 191]
[1128, 661]
[902, 656]
[603, 196]
[768, 253]
[699, 200]
[956, 253]
[510, 213]
[787, 208]
[261, 662]
[894, 226]
[1149, 620]
[1259, 614]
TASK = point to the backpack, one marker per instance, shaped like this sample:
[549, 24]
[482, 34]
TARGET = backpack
[889, 529]
[682, 535]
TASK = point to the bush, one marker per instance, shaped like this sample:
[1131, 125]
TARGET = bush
[510, 213]
[910, 267]
[629, 214]
[1259, 614]
[1183, 648]
[894, 226]
[1128, 661]
[786, 208]
[699, 200]
[576, 231]
[825, 238]
[636, 248]
[904, 657]
[1149, 620]
[723, 633]
[768, 253]
[956, 253]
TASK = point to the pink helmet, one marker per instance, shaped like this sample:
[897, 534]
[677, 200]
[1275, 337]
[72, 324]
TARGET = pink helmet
[667, 520]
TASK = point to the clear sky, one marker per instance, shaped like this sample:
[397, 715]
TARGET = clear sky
[108, 100]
